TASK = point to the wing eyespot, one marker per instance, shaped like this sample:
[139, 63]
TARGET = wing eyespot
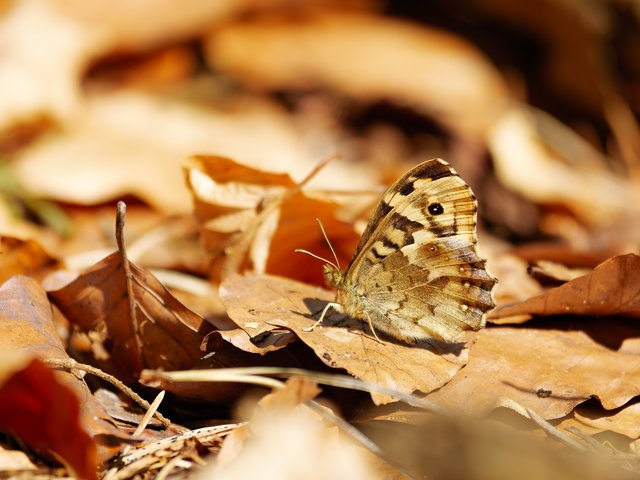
[435, 209]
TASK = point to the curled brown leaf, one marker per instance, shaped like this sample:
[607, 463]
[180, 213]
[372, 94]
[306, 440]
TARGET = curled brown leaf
[260, 304]
[27, 329]
[613, 288]
[254, 220]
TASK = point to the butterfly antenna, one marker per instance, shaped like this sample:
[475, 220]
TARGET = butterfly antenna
[302, 250]
[337, 264]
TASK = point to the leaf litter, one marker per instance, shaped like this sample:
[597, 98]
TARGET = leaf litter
[346, 344]
[253, 220]
[52, 411]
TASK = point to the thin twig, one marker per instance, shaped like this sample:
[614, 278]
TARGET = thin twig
[200, 433]
[121, 211]
[71, 364]
[153, 408]
[314, 171]
[254, 375]
[554, 432]
[171, 465]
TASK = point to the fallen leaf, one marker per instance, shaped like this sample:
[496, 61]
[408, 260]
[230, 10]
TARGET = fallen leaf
[135, 147]
[624, 420]
[22, 66]
[546, 176]
[159, 68]
[613, 288]
[145, 327]
[119, 409]
[255, 337]
[549, 371]
[28, 329]
[207, 304]
[548, 271]
[559, 252]
[515, 284]
[314, 450]
[279, 402]
[260, 303]
[24, 257]
[77, 35]
[254, 220]
[296, 391]
[45, 413]
[334, 50]
[139, 323]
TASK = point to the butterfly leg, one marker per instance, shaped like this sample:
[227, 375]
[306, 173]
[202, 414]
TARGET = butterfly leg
[336, 306]
[371, 327]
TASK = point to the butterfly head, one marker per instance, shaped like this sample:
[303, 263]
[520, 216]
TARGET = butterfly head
[332, 275]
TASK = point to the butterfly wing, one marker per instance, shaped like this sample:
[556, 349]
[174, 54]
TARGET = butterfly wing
[416, 272]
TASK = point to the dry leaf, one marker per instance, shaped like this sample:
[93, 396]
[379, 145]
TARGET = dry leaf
[337, 51]
[547, 178]
[48, 45]
[256, 337]
[144, 327]
[161, 68]
[138, 322]
[624, 420]
[26, 95]
[282, 424]
[557, 252]
[45, 414]
[514, 284]
[295, 392]
[259, 304]
[132, 143]
[549, 371]
[280, 401]
[613, 288]
[546, 270]
[24, 257]
[239, 208]
[254, 220]
[28, 329]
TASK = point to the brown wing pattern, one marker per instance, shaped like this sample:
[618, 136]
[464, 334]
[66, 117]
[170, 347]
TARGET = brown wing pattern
[396, 194]
[416, 272]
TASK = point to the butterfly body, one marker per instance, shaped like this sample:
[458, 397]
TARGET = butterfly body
[416, 274]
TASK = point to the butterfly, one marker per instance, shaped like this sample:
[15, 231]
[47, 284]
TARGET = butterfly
[416, 274]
